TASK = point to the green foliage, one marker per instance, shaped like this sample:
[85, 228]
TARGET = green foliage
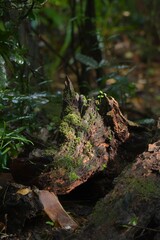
[121, 89]
[101, 95]
[11, 142]
[19, 103]
[22, 109]
[50, 223]
[20, 97]
[90, 62]
[73, 119]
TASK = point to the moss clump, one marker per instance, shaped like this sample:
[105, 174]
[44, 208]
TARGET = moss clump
[88, 148]
[66, 156]
[73, 176]
[66, 162]
[73, 119]
[77, 140]
[70, 125]
[51, 151]
[67, 130]
[145, 187]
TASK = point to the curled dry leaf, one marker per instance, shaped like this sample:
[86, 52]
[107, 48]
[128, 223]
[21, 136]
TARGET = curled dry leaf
[55, 211]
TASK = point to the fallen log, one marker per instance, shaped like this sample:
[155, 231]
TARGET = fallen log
[94, 137]
[132, 209]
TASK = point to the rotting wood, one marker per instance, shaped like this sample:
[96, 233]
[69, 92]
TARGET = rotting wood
[132, 209]
[94, 137]
[93, 134]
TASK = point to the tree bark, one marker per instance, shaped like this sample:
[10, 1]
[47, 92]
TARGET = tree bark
[94, 137]
[132, 209]
[89, 43]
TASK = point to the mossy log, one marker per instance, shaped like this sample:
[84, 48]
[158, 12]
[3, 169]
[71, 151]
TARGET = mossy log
[94, 137]
[132, 209]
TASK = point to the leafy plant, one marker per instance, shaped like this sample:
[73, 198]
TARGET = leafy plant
[121, 88]
[90, 62]
[11, 142]
[113, 84]
[22, 109]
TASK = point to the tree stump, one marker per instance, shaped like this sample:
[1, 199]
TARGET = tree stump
[94, 137]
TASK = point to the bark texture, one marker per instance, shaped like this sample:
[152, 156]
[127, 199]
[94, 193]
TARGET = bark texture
[94, 137]
[132, 209]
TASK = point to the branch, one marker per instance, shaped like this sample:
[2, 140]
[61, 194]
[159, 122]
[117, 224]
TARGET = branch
[53, 50]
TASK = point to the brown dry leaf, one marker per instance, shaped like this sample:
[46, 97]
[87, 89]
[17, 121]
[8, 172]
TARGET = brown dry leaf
[55, 211]
[110, 81]
[24, 191]
[2, 227]
[151, 147]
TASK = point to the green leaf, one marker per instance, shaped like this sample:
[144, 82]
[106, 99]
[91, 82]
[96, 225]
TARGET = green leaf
[5, 145]
[6, 151]
[88, 61]
[133, 221]
[50, 223]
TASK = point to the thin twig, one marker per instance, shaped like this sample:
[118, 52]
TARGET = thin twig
[144, 228]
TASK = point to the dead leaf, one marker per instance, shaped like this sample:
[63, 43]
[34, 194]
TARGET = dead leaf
[152, 147]
[24, 191]
[110, 81]
[55, 211]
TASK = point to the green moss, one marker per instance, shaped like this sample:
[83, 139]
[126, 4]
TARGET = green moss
[88, 145]
[104, 166]
[66, 156]
[108, 208]
[104, 209]
[73, 119]
[79, 161]
[88, 148]
[73, 176]
[50, 151]
[66, 130]
[110, 134]
[77, 140]
[66, 162]
[146, 187]
[70, 125]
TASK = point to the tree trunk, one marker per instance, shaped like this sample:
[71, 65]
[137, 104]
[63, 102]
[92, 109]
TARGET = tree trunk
[89, 43]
